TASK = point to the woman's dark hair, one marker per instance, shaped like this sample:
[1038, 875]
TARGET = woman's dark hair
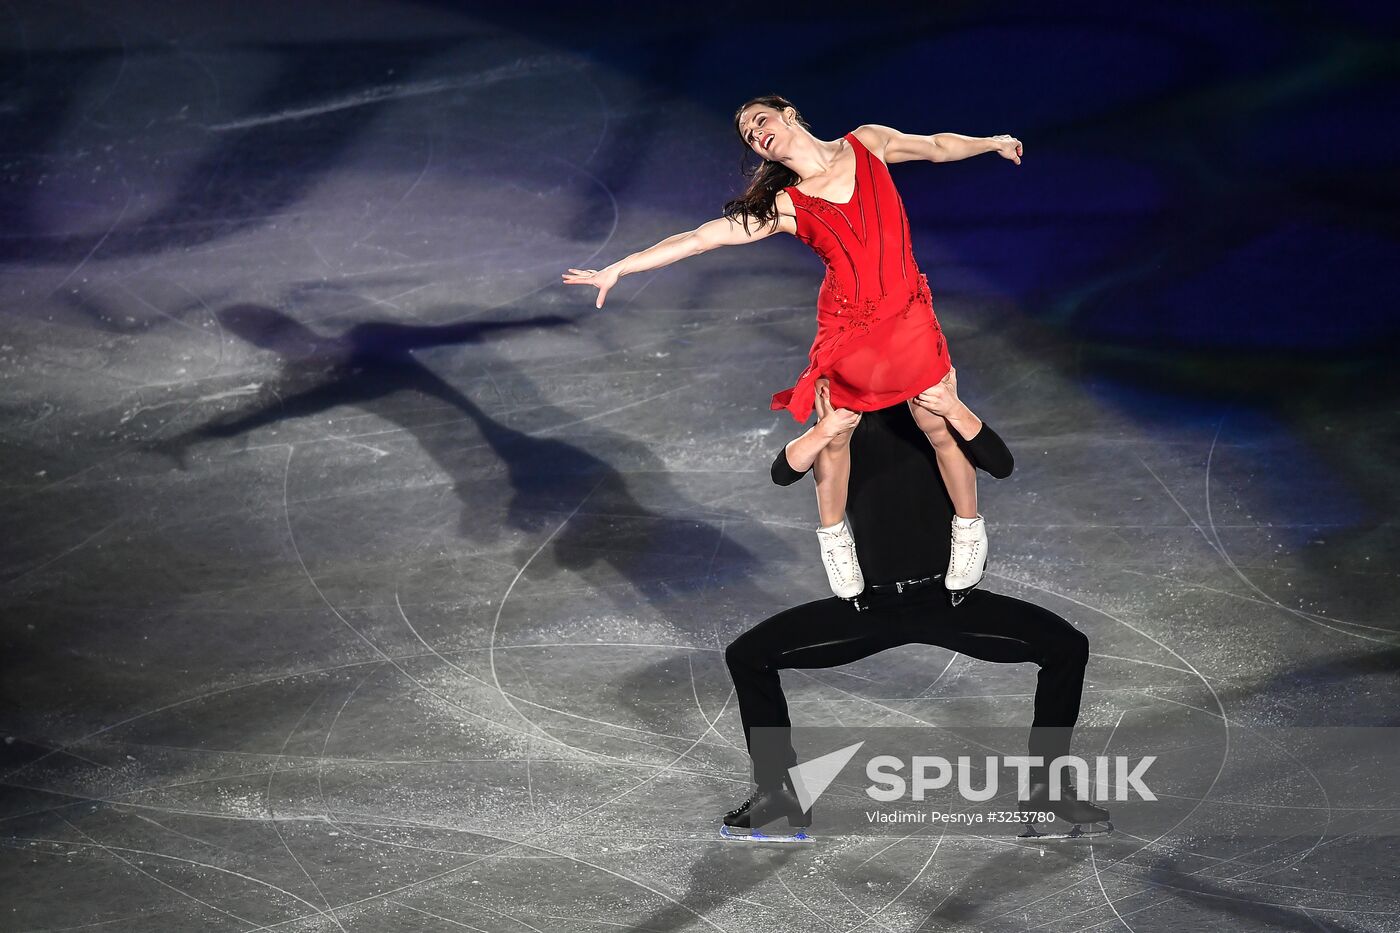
[766, 178]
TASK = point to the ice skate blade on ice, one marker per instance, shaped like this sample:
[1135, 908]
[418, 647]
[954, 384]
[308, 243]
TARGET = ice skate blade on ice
[738, 834]
[1076, 831]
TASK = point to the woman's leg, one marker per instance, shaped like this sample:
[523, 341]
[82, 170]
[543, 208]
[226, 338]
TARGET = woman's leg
[832, 471]
[959, 476]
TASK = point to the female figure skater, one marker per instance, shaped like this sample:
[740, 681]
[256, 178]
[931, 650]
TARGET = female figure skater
[878, 342]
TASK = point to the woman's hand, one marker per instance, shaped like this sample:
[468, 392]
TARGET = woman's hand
[602, 279]
[1008, 147]
[941, 399]
[832, 423]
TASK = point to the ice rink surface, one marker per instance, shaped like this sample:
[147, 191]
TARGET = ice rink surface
[359, 576]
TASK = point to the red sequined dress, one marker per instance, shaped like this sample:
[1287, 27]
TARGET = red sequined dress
[878, 341]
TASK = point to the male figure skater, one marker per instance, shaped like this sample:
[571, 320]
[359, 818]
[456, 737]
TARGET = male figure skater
[902, 546]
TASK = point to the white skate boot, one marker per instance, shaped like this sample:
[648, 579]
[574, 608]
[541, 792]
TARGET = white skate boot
[839, 559]
[967, 559]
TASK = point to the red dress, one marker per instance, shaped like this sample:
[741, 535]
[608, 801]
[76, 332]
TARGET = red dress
[878, 341]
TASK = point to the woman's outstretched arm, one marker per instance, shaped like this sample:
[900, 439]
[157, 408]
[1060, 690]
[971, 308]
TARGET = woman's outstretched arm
[722, 231]
[893, 146]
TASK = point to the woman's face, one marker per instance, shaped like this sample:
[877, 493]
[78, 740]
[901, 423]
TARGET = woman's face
[765, 132]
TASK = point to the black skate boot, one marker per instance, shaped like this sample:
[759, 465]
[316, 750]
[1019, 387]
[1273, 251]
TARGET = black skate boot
[1084, 818]
[764, 806]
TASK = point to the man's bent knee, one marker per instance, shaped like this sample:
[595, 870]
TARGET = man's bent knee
[742, 653]
[1076, 646]
[1068, 646]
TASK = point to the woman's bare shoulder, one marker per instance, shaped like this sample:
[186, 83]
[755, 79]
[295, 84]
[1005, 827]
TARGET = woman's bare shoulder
[874, 137]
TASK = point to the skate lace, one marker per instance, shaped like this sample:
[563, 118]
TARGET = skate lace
[740, 808]
[970, 552]
[841, 558]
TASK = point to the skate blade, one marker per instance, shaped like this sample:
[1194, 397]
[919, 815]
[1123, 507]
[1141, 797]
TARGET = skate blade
[754, 835]
[957, 596]
[1077, 831]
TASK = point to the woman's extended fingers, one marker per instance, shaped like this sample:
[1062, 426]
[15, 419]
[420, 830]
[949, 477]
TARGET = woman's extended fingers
[589, 277]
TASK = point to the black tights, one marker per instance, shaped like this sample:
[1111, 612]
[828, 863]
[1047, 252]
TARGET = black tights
[832, 632]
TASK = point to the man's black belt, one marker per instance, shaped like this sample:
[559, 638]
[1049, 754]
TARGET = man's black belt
[897, 588]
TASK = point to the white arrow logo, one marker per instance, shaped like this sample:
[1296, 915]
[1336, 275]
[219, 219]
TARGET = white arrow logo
[810, 779]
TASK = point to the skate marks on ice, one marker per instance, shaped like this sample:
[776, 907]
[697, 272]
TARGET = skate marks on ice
[258, 789]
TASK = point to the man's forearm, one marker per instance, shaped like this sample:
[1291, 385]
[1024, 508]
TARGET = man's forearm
[802, 451]
[950, 147]
[964, 421]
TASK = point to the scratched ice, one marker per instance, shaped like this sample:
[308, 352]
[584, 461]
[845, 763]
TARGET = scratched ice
[361, 577]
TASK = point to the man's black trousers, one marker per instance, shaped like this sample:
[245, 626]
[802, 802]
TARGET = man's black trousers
[832, 632]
